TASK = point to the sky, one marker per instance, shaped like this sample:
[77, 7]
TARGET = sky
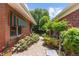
[53, 8]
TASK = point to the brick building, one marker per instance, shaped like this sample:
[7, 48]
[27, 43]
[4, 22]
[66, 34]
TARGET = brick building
[15, 21]
[71, 14]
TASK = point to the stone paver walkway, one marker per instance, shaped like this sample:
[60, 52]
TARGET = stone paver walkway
[37, 49]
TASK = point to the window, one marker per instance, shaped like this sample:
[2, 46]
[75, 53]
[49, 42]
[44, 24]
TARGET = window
[21, 22]
[12, 24]
[16, 25]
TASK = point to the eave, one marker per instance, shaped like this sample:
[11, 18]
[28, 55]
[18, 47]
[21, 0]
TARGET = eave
[20, 8]
[73, 7]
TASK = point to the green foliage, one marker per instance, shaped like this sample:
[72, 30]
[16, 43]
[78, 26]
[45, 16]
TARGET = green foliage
[44, 35]
[24, 43]
[55, 25]
[37, 14]
[34, 37]
[7, 48]
[47, 26]
[51, 42]
[44, 20]
[59, 25]
[55, 20]
[70, 40]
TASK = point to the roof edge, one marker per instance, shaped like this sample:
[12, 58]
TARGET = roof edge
[23, 5]
[68, 10]
[20, 7]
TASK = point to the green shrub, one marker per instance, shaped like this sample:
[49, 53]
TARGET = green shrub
[70, 39]
[45, 35]
[24, 43]
[51, 42]
[34, 37]
[59, 25]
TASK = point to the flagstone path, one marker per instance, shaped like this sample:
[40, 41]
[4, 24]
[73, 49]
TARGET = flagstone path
[37, 49]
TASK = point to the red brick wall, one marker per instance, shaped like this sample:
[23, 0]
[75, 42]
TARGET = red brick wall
[25, 31]
[73, 18]
[5, 27]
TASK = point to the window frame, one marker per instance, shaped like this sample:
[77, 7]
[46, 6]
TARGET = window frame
[14, 23]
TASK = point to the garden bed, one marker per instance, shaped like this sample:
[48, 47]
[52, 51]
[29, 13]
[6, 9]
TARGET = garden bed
[26, 42]
[20, 46]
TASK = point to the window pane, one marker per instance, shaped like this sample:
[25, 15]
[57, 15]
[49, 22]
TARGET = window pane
[10, 19]
[12, 31]
[19, 30]
[12, 24]
[21, 23]
[14, 20]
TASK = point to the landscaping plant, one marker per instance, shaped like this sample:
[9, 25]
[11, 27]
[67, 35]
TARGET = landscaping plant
[39, 14]
[52, 42]
[70, 41]
[58, 26]
[24, 43]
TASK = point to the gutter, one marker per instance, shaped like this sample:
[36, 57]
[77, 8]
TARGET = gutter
[65, 12]
[29, 14]
[20, 8]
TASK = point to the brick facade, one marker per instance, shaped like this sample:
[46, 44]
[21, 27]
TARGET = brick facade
[5, 24]
[73, 18]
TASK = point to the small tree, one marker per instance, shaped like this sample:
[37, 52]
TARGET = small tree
[58, 26]
[37, 14]
[44, 20]
[48, 27]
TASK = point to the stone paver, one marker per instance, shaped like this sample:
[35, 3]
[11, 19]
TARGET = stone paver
[51, 53]
[36, 50]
